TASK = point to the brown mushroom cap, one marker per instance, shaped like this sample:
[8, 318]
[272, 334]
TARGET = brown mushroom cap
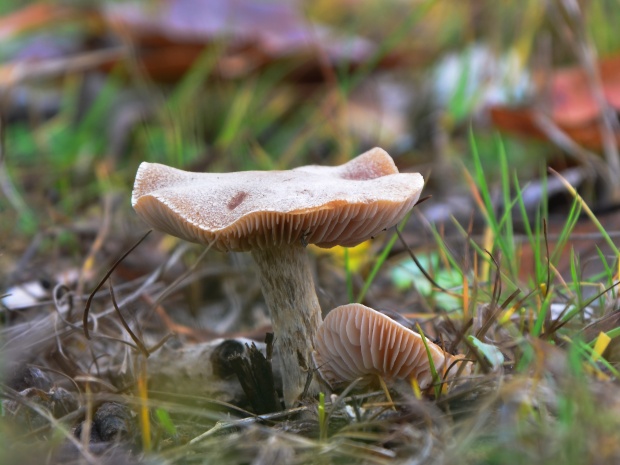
[356, 341]
[326, 206]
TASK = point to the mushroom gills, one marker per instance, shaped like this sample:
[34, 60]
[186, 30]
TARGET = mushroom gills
[355, 341]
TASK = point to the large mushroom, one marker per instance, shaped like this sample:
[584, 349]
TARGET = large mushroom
[275, 214]
[356, 341]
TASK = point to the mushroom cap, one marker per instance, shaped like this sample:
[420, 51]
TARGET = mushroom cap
[356, 341]
[326, 206]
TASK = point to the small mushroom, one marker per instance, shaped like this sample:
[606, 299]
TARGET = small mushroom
[275, 214]
[356, 341]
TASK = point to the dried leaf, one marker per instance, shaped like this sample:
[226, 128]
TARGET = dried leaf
[570, 104]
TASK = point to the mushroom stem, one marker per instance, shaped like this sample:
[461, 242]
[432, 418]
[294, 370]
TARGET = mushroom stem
[288, 289]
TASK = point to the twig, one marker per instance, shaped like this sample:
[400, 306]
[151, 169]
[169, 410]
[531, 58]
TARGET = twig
[135, 338]
[22, 72]
[107, 275]
[418, 264]
[560, 138]
[224, 425]
[588, 57]
[183, 275]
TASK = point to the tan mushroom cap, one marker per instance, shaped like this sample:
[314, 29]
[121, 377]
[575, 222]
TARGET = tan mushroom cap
[356, 341]
[326, 206]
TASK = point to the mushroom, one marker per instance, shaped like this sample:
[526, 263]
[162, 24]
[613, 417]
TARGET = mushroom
[275, 214]
[356, 341]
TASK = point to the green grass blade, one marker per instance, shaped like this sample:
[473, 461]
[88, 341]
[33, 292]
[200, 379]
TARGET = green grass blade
[384, 254]
[588, 212]
[348, 276]
[542, 314]
[431, 363]
[533, 236]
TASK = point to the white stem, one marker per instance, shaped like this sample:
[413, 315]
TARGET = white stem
[288, 288]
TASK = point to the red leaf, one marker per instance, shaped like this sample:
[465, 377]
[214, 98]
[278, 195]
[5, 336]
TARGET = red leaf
[571, 105]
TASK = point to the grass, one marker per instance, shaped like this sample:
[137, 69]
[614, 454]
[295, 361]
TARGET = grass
[521, 300]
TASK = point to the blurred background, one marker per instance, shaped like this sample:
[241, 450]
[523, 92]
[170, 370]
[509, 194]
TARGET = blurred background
[89, 90]
[480, 96]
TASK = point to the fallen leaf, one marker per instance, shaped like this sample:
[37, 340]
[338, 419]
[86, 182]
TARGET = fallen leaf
[170, 35]
[569, 103]
[253, 34]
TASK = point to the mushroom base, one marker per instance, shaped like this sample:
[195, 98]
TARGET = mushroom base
[288, 289]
